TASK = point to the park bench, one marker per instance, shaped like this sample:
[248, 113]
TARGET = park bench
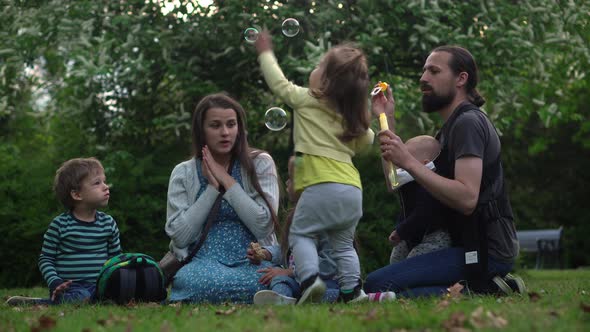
[546, 243]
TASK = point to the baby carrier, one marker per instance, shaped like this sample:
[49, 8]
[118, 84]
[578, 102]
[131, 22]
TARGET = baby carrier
[131, 276]
[493, 205]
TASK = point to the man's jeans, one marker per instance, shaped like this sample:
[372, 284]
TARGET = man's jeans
[427, 275]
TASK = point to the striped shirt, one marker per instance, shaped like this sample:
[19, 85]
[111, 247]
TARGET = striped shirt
[76, 250]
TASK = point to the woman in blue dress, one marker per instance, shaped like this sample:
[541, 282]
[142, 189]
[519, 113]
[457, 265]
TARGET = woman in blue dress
[220, 271]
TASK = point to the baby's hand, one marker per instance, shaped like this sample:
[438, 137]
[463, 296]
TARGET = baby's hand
[394, 238]
[264, 42]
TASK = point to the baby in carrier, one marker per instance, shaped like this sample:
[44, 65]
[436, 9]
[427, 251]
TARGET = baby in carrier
[421, 226]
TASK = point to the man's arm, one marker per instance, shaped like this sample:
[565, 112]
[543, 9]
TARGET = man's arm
[460, 193]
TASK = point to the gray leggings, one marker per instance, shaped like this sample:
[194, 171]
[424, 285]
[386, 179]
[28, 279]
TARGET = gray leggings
[333, 210]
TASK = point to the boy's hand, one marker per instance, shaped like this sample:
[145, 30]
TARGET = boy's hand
[60, 289]
[264, 42]
[271, 272]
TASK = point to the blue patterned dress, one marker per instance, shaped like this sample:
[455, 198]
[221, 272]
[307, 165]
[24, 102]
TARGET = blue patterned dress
[220, 272]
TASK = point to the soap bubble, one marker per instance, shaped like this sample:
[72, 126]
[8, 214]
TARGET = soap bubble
[251, 35]
[290, 27]
[275, 118]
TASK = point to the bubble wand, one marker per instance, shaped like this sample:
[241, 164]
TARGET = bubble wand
[392, 177]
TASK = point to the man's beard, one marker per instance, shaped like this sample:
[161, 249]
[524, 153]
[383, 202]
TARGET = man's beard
[434, 102]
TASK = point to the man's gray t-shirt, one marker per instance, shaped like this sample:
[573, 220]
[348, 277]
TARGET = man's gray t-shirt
[474, 135]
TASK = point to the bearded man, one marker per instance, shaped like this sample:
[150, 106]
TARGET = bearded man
[469, 181]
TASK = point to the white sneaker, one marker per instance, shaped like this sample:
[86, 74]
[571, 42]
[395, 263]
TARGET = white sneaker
[516, 283]
[502, 285]
[381, 296]
[265, 297]
[314, 293]
[360, 297]
[23, 300]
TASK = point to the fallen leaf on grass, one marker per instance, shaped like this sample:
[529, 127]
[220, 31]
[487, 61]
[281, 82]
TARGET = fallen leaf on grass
[371, 314]
[226, 312]
[443, 304]
[455, 290]
[336, 311]
[496, 321]
[455, 322]
[46, 322]
[270, 314]
[534, 296]
[131, 304]
[585, 307]
[481, 318]
[476, 319]
[165, 327]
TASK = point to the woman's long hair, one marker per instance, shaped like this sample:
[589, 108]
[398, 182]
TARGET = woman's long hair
[241, 150]
[344, 85]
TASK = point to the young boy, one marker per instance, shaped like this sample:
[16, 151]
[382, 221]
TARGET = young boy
[79, 241]
[421, 228]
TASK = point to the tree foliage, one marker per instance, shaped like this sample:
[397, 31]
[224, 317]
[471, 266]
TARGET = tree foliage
[119, 80]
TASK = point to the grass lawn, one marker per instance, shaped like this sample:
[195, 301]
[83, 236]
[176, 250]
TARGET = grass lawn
[557, 301]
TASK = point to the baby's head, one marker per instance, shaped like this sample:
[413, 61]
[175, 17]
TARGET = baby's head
[424, 148]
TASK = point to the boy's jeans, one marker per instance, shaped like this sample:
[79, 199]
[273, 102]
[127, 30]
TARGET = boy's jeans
[427, 275]
[78, 292]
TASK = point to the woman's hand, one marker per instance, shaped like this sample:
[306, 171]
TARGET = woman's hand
[383, 104]
[217, 173]
[264, 42]
[60, 289]
[271, 272]
[254, 259]
[209, 176]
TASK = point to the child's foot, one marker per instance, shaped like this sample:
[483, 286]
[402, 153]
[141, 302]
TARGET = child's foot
[313, 290]
[271, 297]
[381, 296]
[24, 300]
[354, 296]
[515, 283]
